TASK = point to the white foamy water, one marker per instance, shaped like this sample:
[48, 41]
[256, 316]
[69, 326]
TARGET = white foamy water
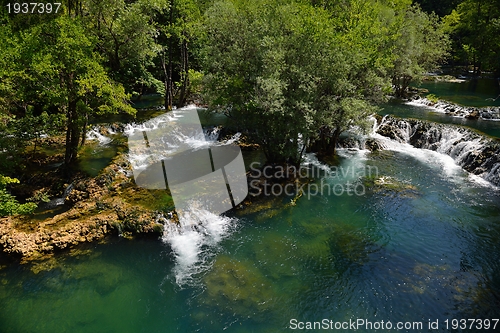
[194, 241]
[447, 147]
[310, 159]
[445, 163]
[490, 113]
[174, 140]
[195, 238]
[434, 159]
[95, 135]
[359, 154]
[440, 106]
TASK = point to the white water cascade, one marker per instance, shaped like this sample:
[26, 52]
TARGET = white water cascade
[485, 113]
[95, 134]
[59, 201]
[194, 238]
[141, 159]
[451, 147]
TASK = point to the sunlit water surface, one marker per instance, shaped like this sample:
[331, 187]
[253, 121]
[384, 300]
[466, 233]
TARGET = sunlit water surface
[423, 246]
[427, 248]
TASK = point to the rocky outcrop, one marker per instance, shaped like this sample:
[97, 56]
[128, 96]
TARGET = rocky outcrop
[110, 203]
[59, 233]
[452, 109]
[476, 153]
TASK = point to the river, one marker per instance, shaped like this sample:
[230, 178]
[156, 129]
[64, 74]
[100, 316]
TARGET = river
[421, 245]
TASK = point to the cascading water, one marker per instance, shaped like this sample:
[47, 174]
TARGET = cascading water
[473, 152]
[485, 113]
[59, 201]
[208, 137]
[194, 237]
[95, 134]
[194, 241]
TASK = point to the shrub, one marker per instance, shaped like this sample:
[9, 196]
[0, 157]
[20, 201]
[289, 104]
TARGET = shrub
[8, 203]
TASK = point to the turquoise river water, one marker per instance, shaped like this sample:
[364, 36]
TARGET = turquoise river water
[420, 249]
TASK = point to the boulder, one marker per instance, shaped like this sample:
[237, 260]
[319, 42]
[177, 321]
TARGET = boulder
[474, 114]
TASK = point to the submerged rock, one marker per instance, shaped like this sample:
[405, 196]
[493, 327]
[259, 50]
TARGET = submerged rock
[239, 287]
[388, 185]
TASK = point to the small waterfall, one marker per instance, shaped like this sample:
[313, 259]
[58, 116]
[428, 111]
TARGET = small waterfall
[452, 109]
[473, 152]
[211, 134]
[177, 141]
[195, 236]
[95, 134]
[59, 201]
[310, 159]
[150, 124]
[194, 239]
[357, 139]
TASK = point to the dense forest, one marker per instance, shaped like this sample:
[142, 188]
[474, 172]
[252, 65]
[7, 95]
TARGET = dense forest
[285, 72]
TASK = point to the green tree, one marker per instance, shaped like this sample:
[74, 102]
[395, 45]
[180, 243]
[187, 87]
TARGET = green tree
[32, 128]
[475, 29]
[365, 31]
[55, 62]
[249, 74]
[180, 31]
[125, 32]
[421, 45]
[296, 73]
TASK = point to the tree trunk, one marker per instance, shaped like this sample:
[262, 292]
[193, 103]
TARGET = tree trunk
[84, 129]
[72, 135]
[320, 145]
[396, 82]
[116, 55]
[332, 147]
[184, 72]
[168, 90]
[34, 147]
[169, 96]
[169, 84]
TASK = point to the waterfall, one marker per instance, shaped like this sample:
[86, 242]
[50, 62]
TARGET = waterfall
[310, 159]
[195, 236]
[208, 137]
[95, 134]
[194, 241]
[452, 109]
[59, 201]
[473, 152]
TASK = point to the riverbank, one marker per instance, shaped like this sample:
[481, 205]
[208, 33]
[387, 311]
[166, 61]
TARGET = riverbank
[95, 207]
